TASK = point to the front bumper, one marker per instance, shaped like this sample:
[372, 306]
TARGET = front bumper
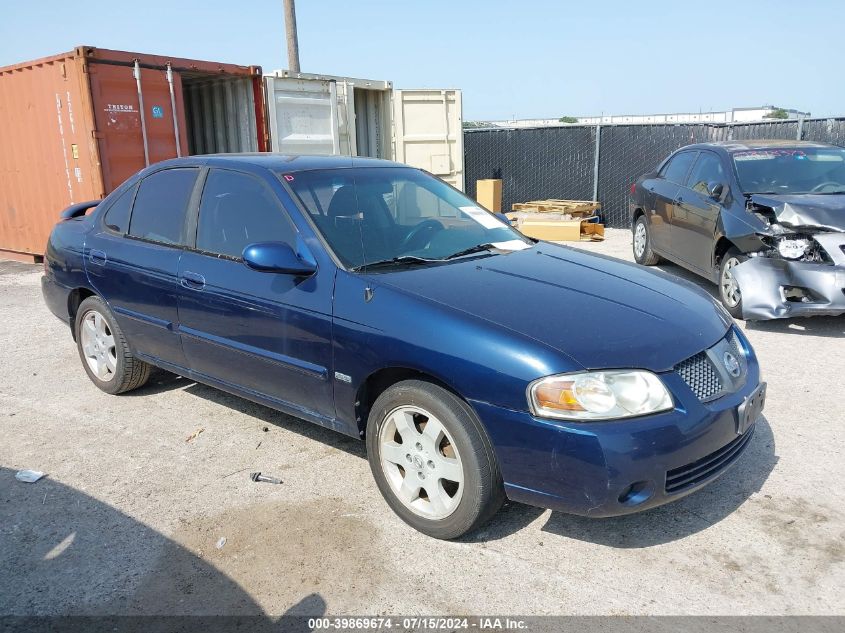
[763, 282]
[602, 469]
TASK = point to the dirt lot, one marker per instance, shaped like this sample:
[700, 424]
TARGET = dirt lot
[130, 517]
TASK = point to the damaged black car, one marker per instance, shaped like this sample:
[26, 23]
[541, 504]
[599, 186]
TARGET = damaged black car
[764, 220]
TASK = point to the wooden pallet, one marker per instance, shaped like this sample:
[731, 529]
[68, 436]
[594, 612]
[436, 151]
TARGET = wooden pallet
[573, 207]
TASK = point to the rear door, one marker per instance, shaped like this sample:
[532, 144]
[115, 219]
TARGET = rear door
[132, 261]
[696, 213]
[665, 189]
[309, 116]
[264, 333]
[428, 132]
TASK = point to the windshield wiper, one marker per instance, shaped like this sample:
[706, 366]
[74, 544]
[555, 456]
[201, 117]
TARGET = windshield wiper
[478, 248]
[393, 261]
[413, 259]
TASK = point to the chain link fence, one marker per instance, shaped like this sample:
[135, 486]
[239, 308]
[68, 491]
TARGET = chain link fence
[560, 162]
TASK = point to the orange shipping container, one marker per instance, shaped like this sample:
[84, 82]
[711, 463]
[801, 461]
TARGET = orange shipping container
[76, 125]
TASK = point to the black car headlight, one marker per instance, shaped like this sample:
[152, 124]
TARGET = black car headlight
[599, 395]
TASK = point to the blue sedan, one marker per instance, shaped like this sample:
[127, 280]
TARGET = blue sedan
[374, 299]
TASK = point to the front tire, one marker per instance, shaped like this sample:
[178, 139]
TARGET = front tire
[642, 244]
[432, 460]
[729, 292]
[104, 352]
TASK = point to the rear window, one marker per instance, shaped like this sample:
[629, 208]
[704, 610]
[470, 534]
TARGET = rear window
[117, 215]
[676, 169]
[160, 206]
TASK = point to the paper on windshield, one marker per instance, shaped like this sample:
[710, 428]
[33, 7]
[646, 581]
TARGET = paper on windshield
[511, 245]
[485, 219]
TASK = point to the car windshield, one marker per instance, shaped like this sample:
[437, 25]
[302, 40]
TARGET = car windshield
[791, 170]
[389, 216]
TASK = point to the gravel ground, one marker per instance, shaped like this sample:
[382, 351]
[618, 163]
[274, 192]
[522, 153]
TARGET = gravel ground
[132, 515]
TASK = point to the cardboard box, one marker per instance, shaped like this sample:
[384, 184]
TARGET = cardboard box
[562, 230]
[592, 231]
[488, 193]
[554, 231]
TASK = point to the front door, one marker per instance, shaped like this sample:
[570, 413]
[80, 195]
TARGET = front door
[696, 214]
[133, 259]
[265, 333]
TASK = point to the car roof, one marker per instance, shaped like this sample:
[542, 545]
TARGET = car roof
[741, 146]
[279, 162]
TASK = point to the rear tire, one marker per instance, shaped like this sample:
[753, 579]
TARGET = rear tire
[104, 351]
[729, 292]
[642, 244]
[432, 460]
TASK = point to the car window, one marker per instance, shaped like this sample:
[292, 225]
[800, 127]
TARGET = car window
[237, 210]
[161, 203]
[117, 215]
[791, 170]
[676, 169]
[707, 169]
[379, 214]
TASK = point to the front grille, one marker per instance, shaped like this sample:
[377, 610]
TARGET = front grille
[679, 479]
[736, 348]
[707, 373]
[698, 372]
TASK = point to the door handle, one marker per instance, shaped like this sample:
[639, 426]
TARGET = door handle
[97, 257]
[193, 281]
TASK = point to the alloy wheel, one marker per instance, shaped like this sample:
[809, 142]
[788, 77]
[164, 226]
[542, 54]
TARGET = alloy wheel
[730, 289]
[98, 345]
[421, 462]
[640, 239]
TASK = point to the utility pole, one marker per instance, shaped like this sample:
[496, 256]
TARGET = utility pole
[290, 33]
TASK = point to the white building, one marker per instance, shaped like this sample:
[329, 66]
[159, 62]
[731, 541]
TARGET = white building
[736, 115]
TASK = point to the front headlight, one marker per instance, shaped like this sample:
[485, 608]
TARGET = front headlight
[793, 249]
[598, 395]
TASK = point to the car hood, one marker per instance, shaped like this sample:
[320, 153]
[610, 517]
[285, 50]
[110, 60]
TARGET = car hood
[601, 312]
[808, 209]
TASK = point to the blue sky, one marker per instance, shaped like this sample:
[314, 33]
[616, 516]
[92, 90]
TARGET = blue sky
[525, 59]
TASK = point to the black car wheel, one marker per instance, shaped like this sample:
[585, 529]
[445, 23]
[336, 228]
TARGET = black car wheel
[642, 244]
[432, 460]
[103, 349]
[729, 291]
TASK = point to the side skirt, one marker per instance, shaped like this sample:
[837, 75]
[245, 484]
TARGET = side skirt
[279, 405]
[712, 277]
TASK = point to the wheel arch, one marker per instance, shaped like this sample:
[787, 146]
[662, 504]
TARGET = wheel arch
[723, 245]
[637, 214]
[381, 380]
[74, 300]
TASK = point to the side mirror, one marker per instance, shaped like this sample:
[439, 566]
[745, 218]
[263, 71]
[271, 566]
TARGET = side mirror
[504, 218]
[715, 190]
[277, 257]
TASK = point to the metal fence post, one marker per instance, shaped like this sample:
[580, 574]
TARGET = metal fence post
[596, 164]
[800, 134]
